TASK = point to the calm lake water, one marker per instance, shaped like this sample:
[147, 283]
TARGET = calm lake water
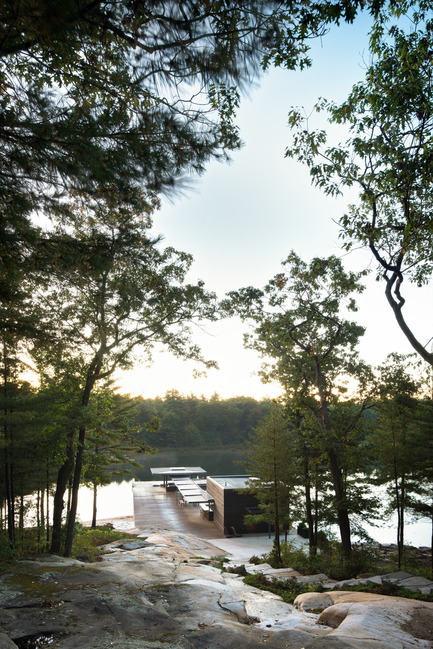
[115, 500]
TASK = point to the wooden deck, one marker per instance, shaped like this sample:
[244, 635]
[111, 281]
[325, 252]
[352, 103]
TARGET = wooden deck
[155, 508]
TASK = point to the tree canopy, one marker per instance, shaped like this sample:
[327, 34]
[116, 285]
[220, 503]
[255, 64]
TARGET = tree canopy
[387, 158]
[106, 105]
[301, 324]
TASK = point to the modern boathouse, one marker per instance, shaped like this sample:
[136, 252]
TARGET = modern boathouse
[223, 501]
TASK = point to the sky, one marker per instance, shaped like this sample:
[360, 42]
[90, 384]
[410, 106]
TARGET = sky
[240, 220]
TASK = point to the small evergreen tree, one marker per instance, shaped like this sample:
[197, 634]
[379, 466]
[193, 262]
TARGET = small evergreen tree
[273, 463]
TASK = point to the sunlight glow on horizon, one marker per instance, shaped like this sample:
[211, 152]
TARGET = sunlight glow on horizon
[240, 220]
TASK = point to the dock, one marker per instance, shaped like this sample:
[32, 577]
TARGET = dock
[157, 508]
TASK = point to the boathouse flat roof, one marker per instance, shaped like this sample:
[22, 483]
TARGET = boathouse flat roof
[232, 481]
[177, 471]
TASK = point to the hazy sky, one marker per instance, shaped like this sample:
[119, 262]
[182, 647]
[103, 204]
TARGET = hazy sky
[240, 220]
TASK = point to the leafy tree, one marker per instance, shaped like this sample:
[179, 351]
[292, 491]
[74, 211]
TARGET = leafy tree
[15, 408]
[110, 437]
[401, 446]
[119, 293]
[125, 95]
[420, 501]
[299, 324]
[129, 94]
[193, 421]
[315, 482]
[387, 158]
[275, 468]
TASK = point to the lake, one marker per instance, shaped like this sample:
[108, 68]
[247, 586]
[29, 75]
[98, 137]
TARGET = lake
[115, 500]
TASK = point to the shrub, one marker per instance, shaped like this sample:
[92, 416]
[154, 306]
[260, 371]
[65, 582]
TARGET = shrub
[7, 555]
[329, 560]
[87, 540]
[287, 589]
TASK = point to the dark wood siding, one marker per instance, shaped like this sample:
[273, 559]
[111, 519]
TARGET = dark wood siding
[230, 508]
[234, 509]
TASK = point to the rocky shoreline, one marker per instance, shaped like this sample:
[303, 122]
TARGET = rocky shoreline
[421, 555]
[163, 591]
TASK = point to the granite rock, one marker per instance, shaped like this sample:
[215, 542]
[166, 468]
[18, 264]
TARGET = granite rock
[162, 594]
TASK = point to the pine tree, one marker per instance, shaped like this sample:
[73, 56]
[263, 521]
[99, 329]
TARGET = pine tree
[273, 463]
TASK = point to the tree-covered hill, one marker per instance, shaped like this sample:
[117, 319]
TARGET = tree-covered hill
[197, 421]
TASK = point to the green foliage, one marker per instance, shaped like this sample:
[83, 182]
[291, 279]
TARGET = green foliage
[7, 554]
[273, 462]
[88, 541]
[102, 100]
[111, 436]
[400, 443]
[329, 560]
[302, 326]
[387, 157]
[287, 589]
[120, 293]
[190, 421]
[392, 590]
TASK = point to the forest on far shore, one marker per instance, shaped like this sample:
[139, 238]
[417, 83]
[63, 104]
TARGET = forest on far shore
[187, 421]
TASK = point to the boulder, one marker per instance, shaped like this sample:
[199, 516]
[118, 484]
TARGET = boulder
[362, 620]
[417, 583]
[313, 579]
[6, 642]
[313, 601]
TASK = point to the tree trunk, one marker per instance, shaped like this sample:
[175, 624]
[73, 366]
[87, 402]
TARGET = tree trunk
[8, 466]
[10, 498]
[432, 538]
[316, 517]
[95, 494]
[92, 376]
[308, 507]
[334, 463]
[402, 507]
[48, 507]
[42, 513]
[21, 519]
[398, 504]
[277, 545]
[342, 513]
[75, 487]
[61, 486]
[38, 516]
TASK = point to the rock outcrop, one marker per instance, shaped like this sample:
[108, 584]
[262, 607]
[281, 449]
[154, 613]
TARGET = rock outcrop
[163, 591]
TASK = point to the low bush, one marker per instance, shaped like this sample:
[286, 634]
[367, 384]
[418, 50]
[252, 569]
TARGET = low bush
[287, 589]
[328, 560]
[7, 555]
[31, 542]
[88, 540]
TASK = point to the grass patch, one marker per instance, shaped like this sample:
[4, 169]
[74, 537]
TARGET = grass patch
[87, 542]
